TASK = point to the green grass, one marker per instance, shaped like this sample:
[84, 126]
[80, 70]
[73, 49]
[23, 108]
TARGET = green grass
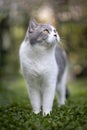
[16, 112]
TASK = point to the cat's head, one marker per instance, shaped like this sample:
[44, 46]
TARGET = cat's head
[42, 34]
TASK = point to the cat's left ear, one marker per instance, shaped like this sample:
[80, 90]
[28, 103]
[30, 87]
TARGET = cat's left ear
[32, 25]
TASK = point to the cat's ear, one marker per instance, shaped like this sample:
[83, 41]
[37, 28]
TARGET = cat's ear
[32, 25]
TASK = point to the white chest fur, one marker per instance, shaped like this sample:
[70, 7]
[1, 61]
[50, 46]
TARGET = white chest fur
[36, 63]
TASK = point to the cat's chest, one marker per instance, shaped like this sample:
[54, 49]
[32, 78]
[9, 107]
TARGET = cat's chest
[40, 66]
[37, 63]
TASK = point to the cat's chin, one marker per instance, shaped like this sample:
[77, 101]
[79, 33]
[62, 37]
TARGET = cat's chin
[50, 45]
[46, 45]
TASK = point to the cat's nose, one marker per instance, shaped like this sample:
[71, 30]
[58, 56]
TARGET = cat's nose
[55, 35]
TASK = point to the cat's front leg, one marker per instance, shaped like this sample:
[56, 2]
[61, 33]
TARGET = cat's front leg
[35, 99]
[48, 97]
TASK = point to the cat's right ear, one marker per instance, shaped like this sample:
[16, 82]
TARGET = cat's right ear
[32, 25]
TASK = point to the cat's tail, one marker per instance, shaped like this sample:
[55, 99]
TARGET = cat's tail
[67, 93]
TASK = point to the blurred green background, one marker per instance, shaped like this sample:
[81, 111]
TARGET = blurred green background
[68, 16]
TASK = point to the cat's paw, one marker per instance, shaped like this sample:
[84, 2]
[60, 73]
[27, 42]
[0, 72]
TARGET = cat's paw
[45, 113]
[37, 111]
[61, 104]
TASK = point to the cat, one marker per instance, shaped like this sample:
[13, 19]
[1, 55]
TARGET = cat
[44, 66]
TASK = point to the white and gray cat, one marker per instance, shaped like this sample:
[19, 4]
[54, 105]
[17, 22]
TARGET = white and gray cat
[44, 66]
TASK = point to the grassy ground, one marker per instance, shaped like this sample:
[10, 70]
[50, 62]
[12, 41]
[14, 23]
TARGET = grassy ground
[16, 112]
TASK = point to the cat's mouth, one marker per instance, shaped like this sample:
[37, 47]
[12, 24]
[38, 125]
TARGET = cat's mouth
[57, 38]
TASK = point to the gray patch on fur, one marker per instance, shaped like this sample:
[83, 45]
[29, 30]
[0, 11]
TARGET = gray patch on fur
[36, 34]
[61, 61]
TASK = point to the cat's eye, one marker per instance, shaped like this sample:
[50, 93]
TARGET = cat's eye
[46, 31]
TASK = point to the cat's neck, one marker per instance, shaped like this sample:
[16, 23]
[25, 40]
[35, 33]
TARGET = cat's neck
[38, 52]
